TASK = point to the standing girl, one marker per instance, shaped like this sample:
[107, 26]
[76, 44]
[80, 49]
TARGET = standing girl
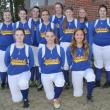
[24, 24]
[79, 56]
[66, 32]
[100, 32]
[51, 60]
[58, 18]
[6, 38]
[34, 21]
[19, 60]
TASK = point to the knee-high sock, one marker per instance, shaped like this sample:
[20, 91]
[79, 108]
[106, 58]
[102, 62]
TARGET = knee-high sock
[66, 75]
[25, 94]
[37, 77]
[58, 91]
[3, 76]
[98, 74]
[90, 87]
[32, 74]
[108, 76]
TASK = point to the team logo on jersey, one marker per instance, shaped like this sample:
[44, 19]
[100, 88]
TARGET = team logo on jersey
[18, 62]
[27, 32]
[101, 30]
[68, 31]
[42, 34]
[6, 32]
[78, 59]
[51, 61]
[57, 25]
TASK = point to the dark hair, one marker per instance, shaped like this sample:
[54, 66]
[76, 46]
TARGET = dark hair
[36, 8]
[85, 44]
[20, 29]
[5, 11]
[46, 11]
[103, 6]
[22, 9]
[56, 38]
[59, 3]
[65, 19]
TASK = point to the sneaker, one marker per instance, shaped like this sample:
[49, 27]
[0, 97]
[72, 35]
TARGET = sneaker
[89, 99]
[56, 103]
[3, 85]
[97, 84]
[31, 83]
[40, 87]
[106, 85]
[37, 83]
[26, 104]
[67, 85]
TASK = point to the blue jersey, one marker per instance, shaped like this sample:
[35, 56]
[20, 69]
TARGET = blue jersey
[99, 32]
[41, 31]
[28, 33]
[79, 62]
[6, 35]
[67, 34]
[18, 62]
[51, 61]
[34, 25]
[57, 21]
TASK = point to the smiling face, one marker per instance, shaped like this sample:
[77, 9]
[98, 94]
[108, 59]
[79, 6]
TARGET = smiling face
[79, 36]
[50, 37]
[35, 13]
[69, 13]
[7, 17]
[45, 16]
[102, 12]
[82, 13]
[22, 15]
[58, 9]
[19, 36]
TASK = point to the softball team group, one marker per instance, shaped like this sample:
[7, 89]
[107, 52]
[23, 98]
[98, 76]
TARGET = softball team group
[50, 50]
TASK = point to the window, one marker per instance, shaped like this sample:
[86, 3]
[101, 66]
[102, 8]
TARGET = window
[44, 2]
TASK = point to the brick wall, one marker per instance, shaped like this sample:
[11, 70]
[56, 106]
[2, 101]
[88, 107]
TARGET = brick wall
[91, 6]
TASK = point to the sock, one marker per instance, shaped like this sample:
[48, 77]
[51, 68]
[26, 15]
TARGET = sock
[108, 76]
[32, 74]
[25, 94]
[37, 73]
[90, 87]
[3, 77]
[98, 74]
[66, 75]
[58, 91]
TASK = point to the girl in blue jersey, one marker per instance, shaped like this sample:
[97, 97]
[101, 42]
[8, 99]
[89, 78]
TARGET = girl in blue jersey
[35, 21]
[6, 38]
[43, 27]
[51, 60]
[24, 24]
[79, 56]
[66, 32]
[82, 21]
[100, 33]
[58, 17]
[19, 61]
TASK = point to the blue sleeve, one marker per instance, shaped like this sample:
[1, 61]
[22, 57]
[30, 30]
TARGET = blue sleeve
[40, 59]
[62, 52]
[50, 19]
[37, 35]
[7, 56]
[69, 56]
[56, 31]
[90, 32]
[31, 58]
[61, 31]
[14, 26]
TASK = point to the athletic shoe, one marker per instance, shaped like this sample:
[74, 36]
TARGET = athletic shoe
[97, 84]
[89, 99]
[40, 87]
[56, 103]
[67, 85]
[106, 85]
[26, 104]
[3, 85]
